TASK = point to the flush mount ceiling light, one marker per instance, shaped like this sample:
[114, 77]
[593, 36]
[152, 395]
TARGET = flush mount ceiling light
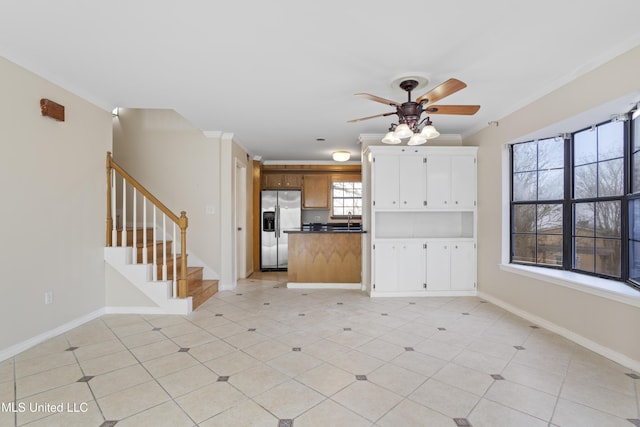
[410, 124]
[341, 156]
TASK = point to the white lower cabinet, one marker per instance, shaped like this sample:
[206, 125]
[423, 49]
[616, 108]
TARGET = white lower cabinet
[423, 266]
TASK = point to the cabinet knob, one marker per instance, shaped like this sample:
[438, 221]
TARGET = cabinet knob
[405, 202]
[394, 202]
[456, 202]
[445, 202]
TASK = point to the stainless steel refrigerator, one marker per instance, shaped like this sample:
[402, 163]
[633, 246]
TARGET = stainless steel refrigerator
[280, 211]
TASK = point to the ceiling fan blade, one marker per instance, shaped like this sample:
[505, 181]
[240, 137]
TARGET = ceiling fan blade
[447, 88]
[378, 99]
[465, 110]
[370, 117]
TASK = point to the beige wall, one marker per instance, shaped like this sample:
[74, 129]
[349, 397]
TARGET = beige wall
[52, 176]
[600, 321]
[187, 171]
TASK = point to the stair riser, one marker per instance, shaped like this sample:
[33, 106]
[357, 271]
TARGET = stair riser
[139, 236]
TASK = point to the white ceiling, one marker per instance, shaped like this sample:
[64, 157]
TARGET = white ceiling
[280, 74]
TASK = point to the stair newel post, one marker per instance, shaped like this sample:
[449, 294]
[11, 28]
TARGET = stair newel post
[182, 282]
[109, 217]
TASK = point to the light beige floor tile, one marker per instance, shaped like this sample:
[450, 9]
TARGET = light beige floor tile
[121, 379]
[490, 414]
[92, 351]
[227, 330]
[439, 349]
[43, 363]
[169, 364]
[396, 379]
[245, 339]
[77, 393]
[603, 399]
[356, 362]
[329, 413]
[298, 339]
[289, 399]
[43, 381]
[74, 414]
[445, 398]
[257, 380]
[267, 350]
[187, 380]
[245, 414]
[193, 339]
[294, 363]
[409, 413]
[538, 379]
[327, 379]
[350, 339]
[155, 350]
[232, 363]
[382, 350]
[209, 401]
[404, 338]
[211, 350]
[522, 398]
[165, 321]
[108, 363]
[480, 362]
[464, 378]
[571, 414]
[142, 339]
[417, 362]
[167, 414]
[367, 399]
[325, 350]
[494, 349]
[132, 329]
[6, 370]
[133, 400]
[45, 349]
[183, 328]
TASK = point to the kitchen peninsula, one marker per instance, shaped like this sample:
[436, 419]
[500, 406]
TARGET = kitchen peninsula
[325, 256]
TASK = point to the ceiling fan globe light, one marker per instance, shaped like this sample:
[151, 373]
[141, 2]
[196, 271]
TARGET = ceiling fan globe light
[430, 132]
[403, 131]
[390, 138]
[416, 139]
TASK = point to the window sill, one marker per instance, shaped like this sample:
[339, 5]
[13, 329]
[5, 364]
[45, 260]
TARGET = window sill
[609, 289]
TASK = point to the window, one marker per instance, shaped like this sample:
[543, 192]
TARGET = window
[574, 204]
[346, 198]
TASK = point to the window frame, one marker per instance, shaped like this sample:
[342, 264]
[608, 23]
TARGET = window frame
[569, 202]
[344, 181]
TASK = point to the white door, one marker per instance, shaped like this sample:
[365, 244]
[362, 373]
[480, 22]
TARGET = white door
[438, 266]
[386, 182]
[413, 182]
[385, 271]
[463, 266]
[463, 181]
[411, 266]
[241, 220]
[438, 181]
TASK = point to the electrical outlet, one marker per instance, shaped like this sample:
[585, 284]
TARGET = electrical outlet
[48, 297]
[210, 210]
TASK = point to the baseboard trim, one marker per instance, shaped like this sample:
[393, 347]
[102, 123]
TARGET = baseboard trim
[300, 285]
[607, 352]
[31, 342]
[137, 310]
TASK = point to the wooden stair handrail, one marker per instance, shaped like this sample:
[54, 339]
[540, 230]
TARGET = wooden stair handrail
[182, 220]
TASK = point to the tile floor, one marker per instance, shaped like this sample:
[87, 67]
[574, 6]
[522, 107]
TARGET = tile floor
[265, 355]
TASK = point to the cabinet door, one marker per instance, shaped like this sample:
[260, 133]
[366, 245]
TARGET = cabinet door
[438, 266]
[413, 182]
[385, 270]
[463, 265]
[292, 181]
[411, 266]
[316, 192]
[272, 181]
[463, 181]
[386, 182]
[438, 181]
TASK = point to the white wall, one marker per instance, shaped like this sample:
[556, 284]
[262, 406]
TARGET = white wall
[602, 322]
[187, 171]
[52, 176]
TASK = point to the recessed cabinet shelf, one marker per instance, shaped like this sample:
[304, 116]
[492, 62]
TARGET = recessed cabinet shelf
[421, 209]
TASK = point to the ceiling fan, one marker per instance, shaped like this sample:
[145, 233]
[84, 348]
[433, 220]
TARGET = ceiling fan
[409, 122]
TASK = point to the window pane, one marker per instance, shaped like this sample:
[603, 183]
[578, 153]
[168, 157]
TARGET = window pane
[610, 178]
[585, 180]
[635, 146]
[550, 153]
[551, 184]
[585, 147]
[634, 240]
[549, 219]
[608, 257]
[524, 218]
[524, 157]
[608, 219]
[524, 186]
[550, 250]
[524, 248]
[584, 219]
[634, 219]
[583, 254]
[634, 260]
[610, 140]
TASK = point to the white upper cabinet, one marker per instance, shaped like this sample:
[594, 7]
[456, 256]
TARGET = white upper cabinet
[399, 181]
[451, 181]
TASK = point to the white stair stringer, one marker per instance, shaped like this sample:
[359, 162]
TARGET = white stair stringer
[140, 275]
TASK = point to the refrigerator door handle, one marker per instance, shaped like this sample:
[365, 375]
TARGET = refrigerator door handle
[277, 221]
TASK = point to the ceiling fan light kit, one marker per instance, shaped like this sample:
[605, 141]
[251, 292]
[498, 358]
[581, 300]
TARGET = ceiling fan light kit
[341, 156]
[410, 125]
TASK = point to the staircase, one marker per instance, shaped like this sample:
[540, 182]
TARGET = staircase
[198, 289]
[145, 254]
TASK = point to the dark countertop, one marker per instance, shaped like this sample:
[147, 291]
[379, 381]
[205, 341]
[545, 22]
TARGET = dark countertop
[328, 228]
